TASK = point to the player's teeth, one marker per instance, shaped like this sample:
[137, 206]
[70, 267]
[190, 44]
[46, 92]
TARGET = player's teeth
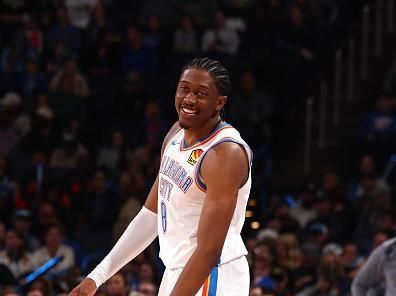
[188, 111]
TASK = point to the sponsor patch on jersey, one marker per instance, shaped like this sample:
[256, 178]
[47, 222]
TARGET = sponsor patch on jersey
[194, 156]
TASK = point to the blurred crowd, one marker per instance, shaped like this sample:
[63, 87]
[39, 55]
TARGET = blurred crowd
[87, 90]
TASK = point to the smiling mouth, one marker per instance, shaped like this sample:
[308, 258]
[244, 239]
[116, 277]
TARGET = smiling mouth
[188, 111]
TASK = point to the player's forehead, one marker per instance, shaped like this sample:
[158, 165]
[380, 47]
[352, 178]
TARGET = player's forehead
[197, 77]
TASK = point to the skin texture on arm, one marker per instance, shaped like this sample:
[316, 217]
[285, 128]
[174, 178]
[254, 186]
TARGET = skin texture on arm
[224, 169]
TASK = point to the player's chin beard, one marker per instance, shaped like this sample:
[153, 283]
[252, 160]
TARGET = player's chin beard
[184, 125]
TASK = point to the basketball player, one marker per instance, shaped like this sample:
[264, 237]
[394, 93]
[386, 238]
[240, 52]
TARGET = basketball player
[200, 196]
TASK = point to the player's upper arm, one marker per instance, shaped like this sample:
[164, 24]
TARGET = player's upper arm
[225, 168]
[152, 198]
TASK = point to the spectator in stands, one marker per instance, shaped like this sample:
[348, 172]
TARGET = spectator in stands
[101, 52]
[264, 259]
[46, 217]
[378, 130]
[148, 289]
[98, 207]
[304, 210]
[22, 225]
[116, 285]
[252, 109]
[11, 128]
[80, 11]
[2, 235]
[135, 56]
[220, 40]
[63, 32]
[202, 12]
[146, 273]
[185, 37]
[352, 260]
[15, 256]
[33, 36]
[43, 137]
[129, 192]
[79, 86]
[116, 157]
[153, 127]
[288, 252]
[11, 104]
[53, 247]
[129, 104]
[152, 33]
[371, 187]
[32, 82]
[35, 292]
[317, 235]
[69, 153]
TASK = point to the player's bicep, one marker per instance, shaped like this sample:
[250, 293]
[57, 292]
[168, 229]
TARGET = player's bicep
[225, 168]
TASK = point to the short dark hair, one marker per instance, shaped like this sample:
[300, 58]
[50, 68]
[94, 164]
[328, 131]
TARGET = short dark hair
[219, 73]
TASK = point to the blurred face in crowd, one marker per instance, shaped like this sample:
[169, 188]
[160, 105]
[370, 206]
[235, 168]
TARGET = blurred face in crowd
[118, 139]
[379, 238]
[31, 67]
[153, 110]
[35, 292]
[186, 23]
[2, 233]
[384, 104]
[256, 291]
[366, 164]
[22, 225]
[147, 289]
[350, 252]
[62, 16]
[296, 16]
[53, 237]
[146, 273]
[70, 66]
[2, 165]
[134, 36]
[46, 214]
[248, 82]
[66, 85]
[116, 285]
[153, 23]
[263, 253]
[99, 181]
[99, 13]
[330, 181]
[220, 20]
[13, 241]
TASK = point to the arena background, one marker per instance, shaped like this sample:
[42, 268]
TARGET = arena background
[87, 90]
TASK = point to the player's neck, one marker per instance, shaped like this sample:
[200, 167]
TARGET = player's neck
[193, 136]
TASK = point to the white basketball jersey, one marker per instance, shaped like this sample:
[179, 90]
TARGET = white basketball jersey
[181, 194]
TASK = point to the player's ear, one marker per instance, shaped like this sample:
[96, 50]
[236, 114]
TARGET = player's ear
[221, 100]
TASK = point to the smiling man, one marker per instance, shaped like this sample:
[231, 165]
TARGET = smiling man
[200, 196]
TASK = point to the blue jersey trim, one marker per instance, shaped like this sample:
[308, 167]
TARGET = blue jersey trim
[197, 172]
[213, 281]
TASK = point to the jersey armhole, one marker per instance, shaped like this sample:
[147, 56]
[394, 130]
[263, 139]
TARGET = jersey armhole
[197, 172]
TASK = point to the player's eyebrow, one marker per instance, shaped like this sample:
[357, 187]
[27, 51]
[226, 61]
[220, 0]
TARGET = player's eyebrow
[200, 84]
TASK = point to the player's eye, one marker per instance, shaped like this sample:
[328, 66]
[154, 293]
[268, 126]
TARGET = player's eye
[201, 94]
[183, 89]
